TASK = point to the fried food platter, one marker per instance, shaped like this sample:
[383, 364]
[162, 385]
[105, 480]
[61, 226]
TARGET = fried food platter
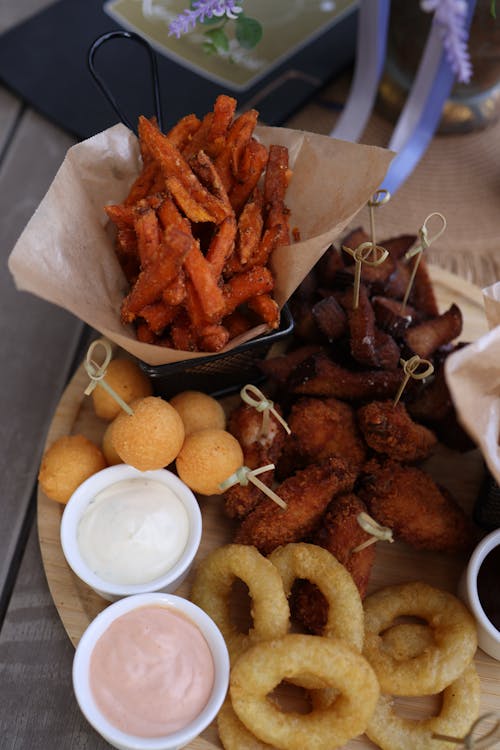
[77, 605]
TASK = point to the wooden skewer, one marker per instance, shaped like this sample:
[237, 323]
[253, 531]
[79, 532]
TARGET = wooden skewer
[416, 252]
[410, 367]
[96, 373]
[468, 742]
[253, 396]
[363, 252]
[362, 255]
[380, 197]
[244, 475]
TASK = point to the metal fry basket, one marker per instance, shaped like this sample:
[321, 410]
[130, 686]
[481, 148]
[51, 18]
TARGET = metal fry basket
[218, 374]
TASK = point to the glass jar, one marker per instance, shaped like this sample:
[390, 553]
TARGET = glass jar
[470, 106]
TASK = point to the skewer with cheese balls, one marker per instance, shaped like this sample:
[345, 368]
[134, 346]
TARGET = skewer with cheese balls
[207, 458]
[66, 464]
[126, 378]
[198, 411]
[151, 437]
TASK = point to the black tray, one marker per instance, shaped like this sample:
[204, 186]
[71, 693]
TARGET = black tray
[218, 374]
[44, 61]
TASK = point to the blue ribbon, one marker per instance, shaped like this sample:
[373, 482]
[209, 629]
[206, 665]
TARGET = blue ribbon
[371, 42]
[421, 114]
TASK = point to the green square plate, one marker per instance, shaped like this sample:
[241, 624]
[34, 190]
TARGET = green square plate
[289, 25]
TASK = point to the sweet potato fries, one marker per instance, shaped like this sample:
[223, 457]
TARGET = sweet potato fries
[195, 233]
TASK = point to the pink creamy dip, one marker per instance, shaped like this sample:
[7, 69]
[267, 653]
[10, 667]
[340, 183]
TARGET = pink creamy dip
[151, 672]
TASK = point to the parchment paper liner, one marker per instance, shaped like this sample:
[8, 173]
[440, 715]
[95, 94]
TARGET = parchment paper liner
[65, 255]
[473, 377]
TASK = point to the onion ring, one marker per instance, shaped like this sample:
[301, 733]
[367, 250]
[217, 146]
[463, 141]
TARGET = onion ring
[317, 565]
[460, 708]
[233, 733]
[332, 661]
[402, 641]
[453, 628]
[212, 589]
[407, 640]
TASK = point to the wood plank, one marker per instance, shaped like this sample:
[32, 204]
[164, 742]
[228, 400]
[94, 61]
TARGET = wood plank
[37, 340]
[460, 473]
[37, 704]
[13, 13]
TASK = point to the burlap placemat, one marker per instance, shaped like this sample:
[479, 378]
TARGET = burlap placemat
[459, 176]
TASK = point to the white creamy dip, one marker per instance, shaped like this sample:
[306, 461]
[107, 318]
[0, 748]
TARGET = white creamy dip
[133, 531]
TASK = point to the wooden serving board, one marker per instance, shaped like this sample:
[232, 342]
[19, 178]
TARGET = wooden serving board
[77, 604]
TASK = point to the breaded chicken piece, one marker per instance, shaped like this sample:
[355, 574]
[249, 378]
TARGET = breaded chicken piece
[390, 430]
[307, 495]
[322, 427]
[245, 424]
[318, 375]
[339, 533]
[418, 511]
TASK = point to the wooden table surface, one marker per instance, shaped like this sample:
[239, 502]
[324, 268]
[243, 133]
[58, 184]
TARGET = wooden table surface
[39, 346]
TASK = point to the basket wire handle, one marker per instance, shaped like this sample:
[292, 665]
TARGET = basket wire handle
[120, 34]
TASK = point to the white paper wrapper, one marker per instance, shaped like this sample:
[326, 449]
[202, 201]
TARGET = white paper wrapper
[65, 255]
[473, 377]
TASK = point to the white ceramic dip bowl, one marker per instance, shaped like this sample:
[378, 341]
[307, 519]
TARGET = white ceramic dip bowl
[487, 634]
[83, 500]
[82, 675]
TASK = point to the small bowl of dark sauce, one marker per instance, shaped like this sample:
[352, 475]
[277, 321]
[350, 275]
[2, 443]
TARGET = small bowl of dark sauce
[480, 589]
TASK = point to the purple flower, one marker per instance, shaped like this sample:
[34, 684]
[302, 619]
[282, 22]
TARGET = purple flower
[451, 17]
[201, 10]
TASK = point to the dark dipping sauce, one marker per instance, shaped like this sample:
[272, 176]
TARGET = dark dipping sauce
[488, 586]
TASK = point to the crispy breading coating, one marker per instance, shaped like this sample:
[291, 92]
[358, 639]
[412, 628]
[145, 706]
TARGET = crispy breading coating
[245, 424]
[339, 533]
[307, 495]
[418, 511]
[318, 375]
[390, 430]
[324, 427]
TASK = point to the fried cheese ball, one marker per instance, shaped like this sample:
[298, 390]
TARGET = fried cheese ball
[108, 448]
[198, 411]
[127, 379]
[207, 458]
[66, 464]
[151, 437]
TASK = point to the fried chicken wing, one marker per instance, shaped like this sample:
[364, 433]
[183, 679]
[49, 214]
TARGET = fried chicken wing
[323, 427]
[307, 495]
[418, 511]
[245, 424]
[318, 375]
[390, 430]
[339, 533]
